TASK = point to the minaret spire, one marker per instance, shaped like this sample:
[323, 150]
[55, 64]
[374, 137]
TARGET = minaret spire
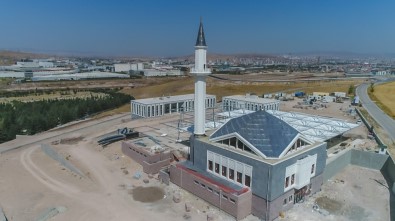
[201, 40]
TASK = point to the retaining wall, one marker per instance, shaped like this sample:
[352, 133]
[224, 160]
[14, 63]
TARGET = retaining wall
[358, 158]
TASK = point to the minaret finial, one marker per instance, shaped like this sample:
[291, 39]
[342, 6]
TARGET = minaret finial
[201, 41]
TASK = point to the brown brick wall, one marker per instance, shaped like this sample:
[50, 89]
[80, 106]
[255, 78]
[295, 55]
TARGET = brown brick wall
[155, 167]
[238, 206]
[151, 163]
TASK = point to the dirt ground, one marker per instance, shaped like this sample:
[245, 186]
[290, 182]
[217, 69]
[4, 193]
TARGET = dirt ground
[355, 194]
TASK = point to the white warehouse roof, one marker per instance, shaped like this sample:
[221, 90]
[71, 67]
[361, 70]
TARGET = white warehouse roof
[314, 127]
[169, 99]
[251, 98]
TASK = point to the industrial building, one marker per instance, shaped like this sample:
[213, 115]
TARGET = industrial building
[77, 76]
[158, 106]
[249, 102]
[162, 72]
[126, 67]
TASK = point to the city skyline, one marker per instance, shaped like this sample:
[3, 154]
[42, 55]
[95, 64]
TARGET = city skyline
[156, 28]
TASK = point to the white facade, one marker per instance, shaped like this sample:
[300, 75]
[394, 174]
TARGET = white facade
[299, 174]
[325, 99]
[128, 67]
[229, 169]
[158, 73]
[340, 94]
[159, 106]
[249, 102]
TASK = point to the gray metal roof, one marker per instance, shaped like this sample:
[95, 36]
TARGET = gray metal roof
[201, 40]
[267, 133]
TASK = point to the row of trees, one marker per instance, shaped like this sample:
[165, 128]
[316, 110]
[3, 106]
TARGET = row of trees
[33, 117]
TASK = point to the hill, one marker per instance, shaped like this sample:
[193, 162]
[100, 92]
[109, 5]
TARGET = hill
[10, 57]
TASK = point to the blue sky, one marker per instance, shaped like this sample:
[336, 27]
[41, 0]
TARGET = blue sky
[169, 27]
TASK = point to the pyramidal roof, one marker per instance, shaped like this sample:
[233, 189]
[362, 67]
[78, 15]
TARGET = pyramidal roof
[201, 40]
[267, 133]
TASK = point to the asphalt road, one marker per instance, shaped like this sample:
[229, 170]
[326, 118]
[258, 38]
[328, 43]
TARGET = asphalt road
[386, 122]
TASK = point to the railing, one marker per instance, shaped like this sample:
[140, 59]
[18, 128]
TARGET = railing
[207, 70]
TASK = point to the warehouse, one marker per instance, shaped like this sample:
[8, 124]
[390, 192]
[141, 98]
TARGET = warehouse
[249, 102]
[158, 106]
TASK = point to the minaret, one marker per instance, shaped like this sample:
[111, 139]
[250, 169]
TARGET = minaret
[200, 71]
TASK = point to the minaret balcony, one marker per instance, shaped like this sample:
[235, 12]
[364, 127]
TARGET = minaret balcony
[196, 71]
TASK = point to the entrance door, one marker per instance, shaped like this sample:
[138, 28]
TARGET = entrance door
[300, 194]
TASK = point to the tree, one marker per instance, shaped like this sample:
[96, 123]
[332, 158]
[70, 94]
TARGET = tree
[351, 89]
[371, 88]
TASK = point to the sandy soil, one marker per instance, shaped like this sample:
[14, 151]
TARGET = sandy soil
[355, 194]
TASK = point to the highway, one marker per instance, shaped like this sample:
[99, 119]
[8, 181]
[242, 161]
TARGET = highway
[386, 122]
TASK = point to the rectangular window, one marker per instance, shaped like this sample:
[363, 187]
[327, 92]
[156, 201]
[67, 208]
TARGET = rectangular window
[224, 169]
[225, 197]
[312, 169]
[209, 189]
[231, 174]
[204, 186]
[232, 200]
[239, 177]
[290, 198]
[285, 201]
[196, 182]
[292, 179]
[217, 168]
[210, 165]
[287, 182]
[216, 192]
[247, 180]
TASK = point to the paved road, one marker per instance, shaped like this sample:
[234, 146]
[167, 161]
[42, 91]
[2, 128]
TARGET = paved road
[386, 122]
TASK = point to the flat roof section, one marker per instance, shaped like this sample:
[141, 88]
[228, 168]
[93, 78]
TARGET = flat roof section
[169, 99]
[251, 98]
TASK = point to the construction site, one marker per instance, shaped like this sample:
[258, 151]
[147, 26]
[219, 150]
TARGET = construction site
[66, 174]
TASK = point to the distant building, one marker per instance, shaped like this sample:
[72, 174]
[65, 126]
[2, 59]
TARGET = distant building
[340, 94]
[320, 94]
[158, 106]
[126, 67]
[162, 72]
[249, 102]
